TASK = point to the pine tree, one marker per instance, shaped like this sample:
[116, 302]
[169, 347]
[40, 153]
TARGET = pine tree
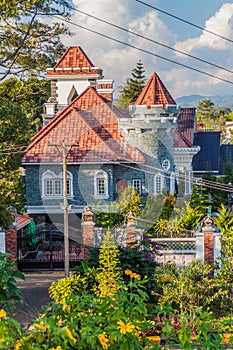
[130, 91]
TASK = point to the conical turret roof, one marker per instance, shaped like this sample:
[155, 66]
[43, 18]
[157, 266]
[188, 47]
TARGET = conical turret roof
[155, 93]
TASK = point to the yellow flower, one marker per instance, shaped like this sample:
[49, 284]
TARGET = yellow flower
[125, 327]
[128, 272]
[166, 278]
[57, 348]
[132, 274]
[2, 314]
[136, 276]
[104, 340]
[42, 326]
[69, 334]
[17, 345]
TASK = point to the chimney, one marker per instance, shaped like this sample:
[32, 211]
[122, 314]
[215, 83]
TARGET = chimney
[105, 88]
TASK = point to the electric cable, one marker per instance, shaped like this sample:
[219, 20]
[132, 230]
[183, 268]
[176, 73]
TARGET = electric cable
[184, 21]
[150, 40]
[143, 50]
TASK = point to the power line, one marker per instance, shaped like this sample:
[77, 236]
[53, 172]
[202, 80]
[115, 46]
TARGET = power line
[151, 40]
[184, 21]
[143, 50]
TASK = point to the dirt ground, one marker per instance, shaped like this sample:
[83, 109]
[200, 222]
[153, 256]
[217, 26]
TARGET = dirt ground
[35, 295]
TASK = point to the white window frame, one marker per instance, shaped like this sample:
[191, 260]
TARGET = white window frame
[158, 177]
[137, 185]
[172, 182]
[56, 182]
[166, 164]
[101, 177]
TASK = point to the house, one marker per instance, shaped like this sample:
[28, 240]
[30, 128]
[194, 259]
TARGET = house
[149, 147]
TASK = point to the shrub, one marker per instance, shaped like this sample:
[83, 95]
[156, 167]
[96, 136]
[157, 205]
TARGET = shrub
[9, 293]
[65, 287]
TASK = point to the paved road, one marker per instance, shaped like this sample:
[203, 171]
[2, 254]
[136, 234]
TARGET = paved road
[35, 295]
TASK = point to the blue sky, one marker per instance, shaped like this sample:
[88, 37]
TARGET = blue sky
[118, 60]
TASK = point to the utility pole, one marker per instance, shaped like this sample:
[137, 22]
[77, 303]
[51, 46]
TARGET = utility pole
[65, 208]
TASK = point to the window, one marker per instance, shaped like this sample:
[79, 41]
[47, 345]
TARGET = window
[166, 164]
[101, 184]
[158, 184]
[137, 185]
[52, 184]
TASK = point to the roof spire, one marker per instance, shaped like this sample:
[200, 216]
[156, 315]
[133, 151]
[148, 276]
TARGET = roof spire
[155, 93]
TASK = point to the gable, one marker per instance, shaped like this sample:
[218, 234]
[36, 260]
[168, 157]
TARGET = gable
[74, 61]
[90, 129]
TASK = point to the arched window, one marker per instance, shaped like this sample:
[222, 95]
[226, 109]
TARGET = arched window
[52, 184]
[101, 184]
[172, 182]
[158, 184]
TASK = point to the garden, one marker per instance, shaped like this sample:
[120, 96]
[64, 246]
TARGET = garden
[121, 299]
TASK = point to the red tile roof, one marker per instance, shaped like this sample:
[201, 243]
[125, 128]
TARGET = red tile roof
[155, 93]
[22, 221]
[74, 62]
[90, 127]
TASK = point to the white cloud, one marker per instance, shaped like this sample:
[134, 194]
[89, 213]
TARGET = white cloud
[118, 60]
[221, 23]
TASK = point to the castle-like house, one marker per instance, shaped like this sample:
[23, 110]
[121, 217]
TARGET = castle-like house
[149, 147]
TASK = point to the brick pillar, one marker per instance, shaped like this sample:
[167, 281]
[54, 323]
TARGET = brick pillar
[209, 247]
[11, 243]
[207, 241]
[87, 231]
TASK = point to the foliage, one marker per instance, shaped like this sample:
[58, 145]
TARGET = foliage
[28, 44]
[93, 322]
[130, 91]
[224, 219]
[183, 220]
[108, 272]
[6, 217]
[199, 329]
[8, 339]
[205, 110]
[9, 293]
[193, 287]
[30, 94]
[14, 138]
[151, 211]
[128, 202]
[64, 288]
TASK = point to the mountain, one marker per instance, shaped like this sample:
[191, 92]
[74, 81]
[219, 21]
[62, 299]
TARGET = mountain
[193, 100]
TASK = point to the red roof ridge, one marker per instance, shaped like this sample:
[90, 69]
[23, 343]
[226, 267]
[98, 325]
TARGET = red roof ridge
[155, 93]
[47, 128]
[78, 50]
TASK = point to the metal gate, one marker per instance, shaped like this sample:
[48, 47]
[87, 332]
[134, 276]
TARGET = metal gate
[44, 249]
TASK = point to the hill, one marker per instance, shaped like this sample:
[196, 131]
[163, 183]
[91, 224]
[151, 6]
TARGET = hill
[193, 100]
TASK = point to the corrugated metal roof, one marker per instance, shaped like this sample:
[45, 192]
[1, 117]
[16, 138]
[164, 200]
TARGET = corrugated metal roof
[208, 158]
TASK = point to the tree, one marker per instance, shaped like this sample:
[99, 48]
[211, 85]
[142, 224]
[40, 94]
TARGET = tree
[14, 137]
[28, 44]
[130, 91]
[31, 94]
[205, 112]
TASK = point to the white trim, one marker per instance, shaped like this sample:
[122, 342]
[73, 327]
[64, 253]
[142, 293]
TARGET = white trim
[172, 182]
[162, 183]
[50, 175]
[101, 175]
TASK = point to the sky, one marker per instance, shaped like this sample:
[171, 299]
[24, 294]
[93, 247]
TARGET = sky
[118, 60]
